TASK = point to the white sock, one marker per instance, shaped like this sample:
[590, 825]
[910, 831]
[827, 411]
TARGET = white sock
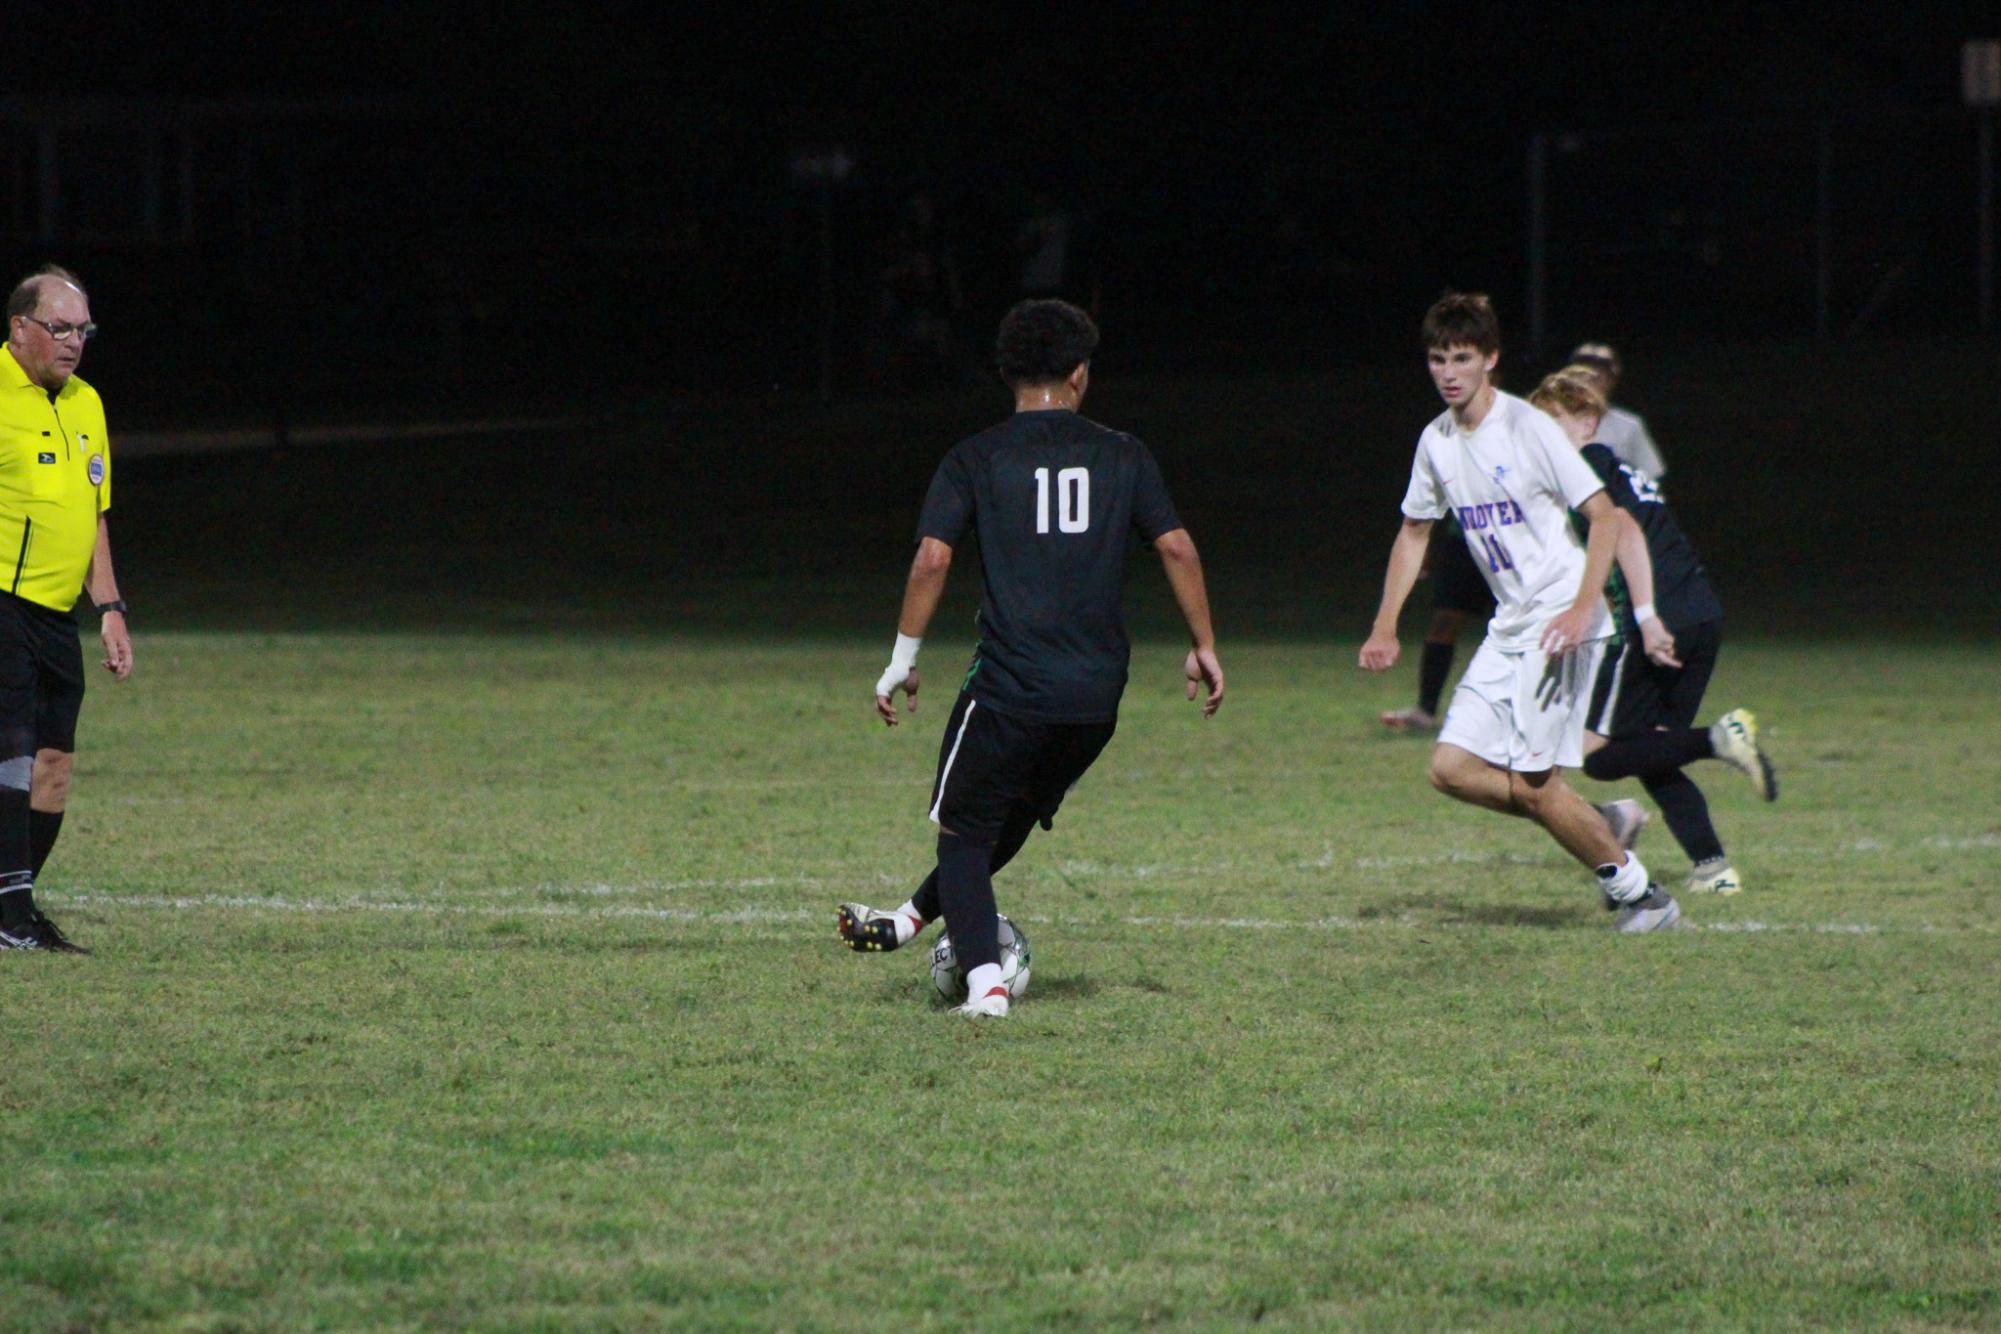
[1623, 884]
[908, 922]
[981, 980]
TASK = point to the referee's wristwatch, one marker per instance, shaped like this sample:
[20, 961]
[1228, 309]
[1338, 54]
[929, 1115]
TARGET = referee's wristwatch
[116, 604]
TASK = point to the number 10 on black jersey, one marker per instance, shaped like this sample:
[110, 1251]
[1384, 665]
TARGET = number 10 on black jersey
[1073, 500]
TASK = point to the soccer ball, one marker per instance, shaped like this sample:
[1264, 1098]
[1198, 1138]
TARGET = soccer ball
[950, 978]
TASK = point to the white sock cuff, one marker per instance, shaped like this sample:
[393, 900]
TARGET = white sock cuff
[1627, 883]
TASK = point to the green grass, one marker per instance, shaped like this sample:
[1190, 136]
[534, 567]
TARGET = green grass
[490, 981]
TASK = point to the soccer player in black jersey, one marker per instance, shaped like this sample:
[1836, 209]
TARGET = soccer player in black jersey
[1054, 500]
[1643, 706]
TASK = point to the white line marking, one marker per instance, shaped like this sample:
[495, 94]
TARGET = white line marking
[760, 916]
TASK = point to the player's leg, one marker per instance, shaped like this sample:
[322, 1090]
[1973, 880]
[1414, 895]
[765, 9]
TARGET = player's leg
[1458, 592]
[1470, 761]
[1551, 699]
[869, 930]
[1467, 777]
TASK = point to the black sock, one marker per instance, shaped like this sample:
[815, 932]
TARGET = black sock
[926, 897]
[17, 893]
[1433, 666]
[1013, 834]
[1686, 813]
[43, 826]
[966, 892]
[1648, 753]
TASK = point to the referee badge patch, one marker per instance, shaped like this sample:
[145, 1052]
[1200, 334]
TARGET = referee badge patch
[96, 469]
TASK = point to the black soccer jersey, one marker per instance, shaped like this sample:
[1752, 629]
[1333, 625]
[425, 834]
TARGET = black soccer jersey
[1054, 500]
[1682, 594]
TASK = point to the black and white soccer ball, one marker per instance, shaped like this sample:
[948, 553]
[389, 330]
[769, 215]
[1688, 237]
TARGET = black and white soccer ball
[950, 978]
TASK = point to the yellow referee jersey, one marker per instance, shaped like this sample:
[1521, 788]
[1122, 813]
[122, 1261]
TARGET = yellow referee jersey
[55, 479]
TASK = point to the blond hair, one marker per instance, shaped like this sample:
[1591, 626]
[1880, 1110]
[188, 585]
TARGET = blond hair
[1572, 391]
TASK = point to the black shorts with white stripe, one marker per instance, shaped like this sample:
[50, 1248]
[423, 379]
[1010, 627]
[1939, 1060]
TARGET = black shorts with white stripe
[1634, 694]
[994, 768]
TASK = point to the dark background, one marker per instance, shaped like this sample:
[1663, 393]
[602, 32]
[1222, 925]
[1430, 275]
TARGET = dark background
[293, 214]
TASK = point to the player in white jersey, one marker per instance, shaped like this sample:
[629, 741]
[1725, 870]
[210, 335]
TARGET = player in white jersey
[1516, 720]
[1624, 433]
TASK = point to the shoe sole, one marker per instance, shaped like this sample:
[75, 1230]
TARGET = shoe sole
[847, 924]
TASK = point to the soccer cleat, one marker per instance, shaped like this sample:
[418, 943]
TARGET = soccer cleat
[1656, 910]
[1714, 876]
[993, 1005]
[1626, 818]
[1410, 720]
[1734, 737]
[868, 930]
[53, 938]
[20, 936]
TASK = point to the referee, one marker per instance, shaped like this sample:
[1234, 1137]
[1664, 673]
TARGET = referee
[55, 486]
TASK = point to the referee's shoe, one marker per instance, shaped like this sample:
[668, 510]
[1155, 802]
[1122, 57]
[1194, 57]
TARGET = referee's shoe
[38, 933]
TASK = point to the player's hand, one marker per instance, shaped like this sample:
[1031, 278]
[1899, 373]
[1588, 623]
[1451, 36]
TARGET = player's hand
[1202, 669]
[1381, 652]
[885, 696]
[1658, 641]
[117, 645]
[1563, 635]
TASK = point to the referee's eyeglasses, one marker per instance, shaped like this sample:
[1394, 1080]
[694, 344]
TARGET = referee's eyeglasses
[61, 330]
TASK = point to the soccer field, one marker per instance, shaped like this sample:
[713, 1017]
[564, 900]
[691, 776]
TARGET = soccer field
[491, 981]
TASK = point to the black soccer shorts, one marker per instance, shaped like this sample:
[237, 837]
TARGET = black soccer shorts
[1633, 694]
[994, 768]
[1456, 582]
[41, 676]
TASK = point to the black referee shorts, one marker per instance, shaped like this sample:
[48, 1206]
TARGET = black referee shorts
[993, 768]
[1633, 694]
[1456, 582]
[41, 677]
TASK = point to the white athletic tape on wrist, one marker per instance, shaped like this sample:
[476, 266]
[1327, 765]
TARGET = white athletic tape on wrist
[1643, 613]
[901, 659]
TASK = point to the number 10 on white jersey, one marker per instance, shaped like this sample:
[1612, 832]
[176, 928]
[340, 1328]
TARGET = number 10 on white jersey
[1073, 500]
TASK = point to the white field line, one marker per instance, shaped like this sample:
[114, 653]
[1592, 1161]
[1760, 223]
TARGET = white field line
[761, 916]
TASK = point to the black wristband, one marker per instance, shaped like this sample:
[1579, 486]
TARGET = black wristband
[117, 605]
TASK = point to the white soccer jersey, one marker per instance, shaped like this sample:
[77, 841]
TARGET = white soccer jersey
[1626, 434]
[1512, 484]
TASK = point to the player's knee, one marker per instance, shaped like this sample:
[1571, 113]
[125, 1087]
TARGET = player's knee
[1598, 765]
[1448, 775]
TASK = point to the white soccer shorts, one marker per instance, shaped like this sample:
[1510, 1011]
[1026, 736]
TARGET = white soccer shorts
[1524, 711]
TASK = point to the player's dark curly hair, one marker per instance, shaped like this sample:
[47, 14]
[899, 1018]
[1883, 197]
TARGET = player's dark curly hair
[1463, 319]
[1041, 342]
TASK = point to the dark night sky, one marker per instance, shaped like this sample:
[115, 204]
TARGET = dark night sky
[1356, 156]
[954, 73]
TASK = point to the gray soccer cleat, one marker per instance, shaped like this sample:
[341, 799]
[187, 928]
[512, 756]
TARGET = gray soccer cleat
[1656, 910]
[1412, 719]
[1714, 876]
[1734, 737]
[1625, 818]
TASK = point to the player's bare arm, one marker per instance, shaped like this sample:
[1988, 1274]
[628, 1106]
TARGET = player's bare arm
[921, 592]
[1191, 593]
[1407, 554]
[1637, 564]
[102, 585]
[1570, 627]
